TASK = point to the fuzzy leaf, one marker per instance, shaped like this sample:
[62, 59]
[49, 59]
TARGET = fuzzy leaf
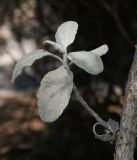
[54, 93]
[100, 50]
[65, 34]
[88, 61]
[28, 60]
[55, 45]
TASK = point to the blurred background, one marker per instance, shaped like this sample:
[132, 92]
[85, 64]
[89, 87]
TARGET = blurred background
[24, 25]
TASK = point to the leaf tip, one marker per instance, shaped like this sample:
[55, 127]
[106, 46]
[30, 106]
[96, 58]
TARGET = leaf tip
[105, 48]
[74, 23]
[101, 50]
[13, 77]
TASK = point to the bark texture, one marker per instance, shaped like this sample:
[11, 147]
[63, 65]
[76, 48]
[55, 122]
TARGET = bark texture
[126, 140]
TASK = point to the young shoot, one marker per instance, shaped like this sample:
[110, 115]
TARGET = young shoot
[56, 86]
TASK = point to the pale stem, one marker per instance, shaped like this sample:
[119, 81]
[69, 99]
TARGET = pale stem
[90, 111]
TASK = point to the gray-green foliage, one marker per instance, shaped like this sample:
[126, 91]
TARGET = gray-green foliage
[54, 93]
[28, 60]
[56, 87]
[87, 61]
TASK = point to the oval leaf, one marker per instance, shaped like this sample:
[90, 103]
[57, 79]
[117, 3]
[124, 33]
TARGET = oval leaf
[28, 60]
[100, 50]
[90, 62]
[54, 93]
[65, 34]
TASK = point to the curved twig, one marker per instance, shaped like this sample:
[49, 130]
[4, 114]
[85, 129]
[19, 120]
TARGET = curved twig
[95, 115]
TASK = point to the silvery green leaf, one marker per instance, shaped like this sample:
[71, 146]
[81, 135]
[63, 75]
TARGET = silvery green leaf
[28, 60]
[100, 50]
[55, 45]
[54, 93]
[88, 61]
[65, 34]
